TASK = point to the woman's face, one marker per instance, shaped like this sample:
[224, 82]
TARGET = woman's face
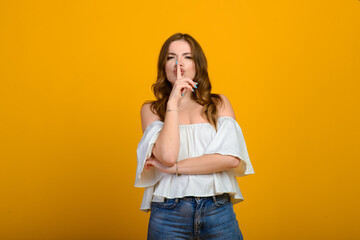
[179, 50]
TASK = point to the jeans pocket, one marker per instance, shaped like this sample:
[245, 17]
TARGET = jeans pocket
[167, 204]
[222, 200]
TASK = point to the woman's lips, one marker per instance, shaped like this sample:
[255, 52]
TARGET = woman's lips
[182, 72]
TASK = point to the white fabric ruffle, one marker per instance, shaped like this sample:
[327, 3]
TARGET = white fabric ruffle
[144, 150]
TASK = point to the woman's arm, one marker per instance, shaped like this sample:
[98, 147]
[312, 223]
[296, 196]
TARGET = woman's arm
[167, 145]
[205, 164]
[166, 148]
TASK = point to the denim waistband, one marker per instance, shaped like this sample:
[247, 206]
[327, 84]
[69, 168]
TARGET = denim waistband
[214, 198]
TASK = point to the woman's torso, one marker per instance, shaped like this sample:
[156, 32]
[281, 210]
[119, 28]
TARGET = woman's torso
[196, 134]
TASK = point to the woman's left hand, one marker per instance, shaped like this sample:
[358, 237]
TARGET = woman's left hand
[153, 162]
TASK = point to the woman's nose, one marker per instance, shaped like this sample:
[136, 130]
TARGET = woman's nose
[179, 61]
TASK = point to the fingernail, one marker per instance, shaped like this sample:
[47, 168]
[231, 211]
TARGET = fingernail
[195, 86]
[183, 94]
[196, 83]
[192, 90]
[176, 62]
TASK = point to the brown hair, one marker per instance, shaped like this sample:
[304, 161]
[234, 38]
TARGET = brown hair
[162, 87]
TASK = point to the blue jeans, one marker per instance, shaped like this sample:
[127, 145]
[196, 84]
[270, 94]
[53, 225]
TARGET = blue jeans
[194, 218]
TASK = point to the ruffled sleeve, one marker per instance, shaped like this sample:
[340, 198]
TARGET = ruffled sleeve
[229, 140]
[144, 149]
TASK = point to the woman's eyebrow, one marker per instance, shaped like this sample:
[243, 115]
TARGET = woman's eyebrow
[175, 54]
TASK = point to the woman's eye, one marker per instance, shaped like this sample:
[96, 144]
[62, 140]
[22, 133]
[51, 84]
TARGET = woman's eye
[189, 57]
[168, 58]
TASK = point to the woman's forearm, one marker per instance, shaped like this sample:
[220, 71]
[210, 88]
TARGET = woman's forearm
[167, 145]
[208, 163]
[205, 164]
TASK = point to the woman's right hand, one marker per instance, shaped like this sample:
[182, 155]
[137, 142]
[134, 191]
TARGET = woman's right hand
[180, 86]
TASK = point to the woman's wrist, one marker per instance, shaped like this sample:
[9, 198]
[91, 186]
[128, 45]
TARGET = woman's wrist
[172, 105]
[172, 169]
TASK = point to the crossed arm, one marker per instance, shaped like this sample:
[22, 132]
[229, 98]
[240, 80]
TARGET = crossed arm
[205, 164]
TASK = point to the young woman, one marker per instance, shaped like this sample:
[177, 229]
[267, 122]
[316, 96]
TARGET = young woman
[191, 151]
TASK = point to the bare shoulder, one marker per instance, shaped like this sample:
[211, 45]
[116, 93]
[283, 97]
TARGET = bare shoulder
[225, 109]
[147, 116]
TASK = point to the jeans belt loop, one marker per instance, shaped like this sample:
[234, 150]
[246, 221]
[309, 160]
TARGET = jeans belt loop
[214, 198]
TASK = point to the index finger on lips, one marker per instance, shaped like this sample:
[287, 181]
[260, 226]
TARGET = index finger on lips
[178, 70]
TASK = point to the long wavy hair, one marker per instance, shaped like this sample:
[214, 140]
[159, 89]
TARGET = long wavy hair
[162, 87]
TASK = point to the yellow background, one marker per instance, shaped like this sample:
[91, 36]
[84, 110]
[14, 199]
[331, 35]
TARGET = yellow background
[73, 76]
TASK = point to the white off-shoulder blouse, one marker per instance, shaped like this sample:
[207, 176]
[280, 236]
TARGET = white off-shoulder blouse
[195, 140]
